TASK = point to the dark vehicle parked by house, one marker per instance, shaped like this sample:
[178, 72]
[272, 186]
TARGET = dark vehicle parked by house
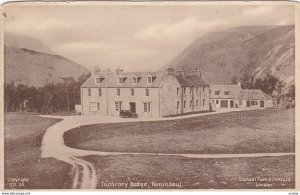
[128, 114]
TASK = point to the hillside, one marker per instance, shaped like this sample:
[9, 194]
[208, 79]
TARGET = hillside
[36, 68]
[241, 50]
[18, 41]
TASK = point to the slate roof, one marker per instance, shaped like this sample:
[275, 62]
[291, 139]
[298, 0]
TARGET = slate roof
[190, 81]
[111, 80]
[253, 94]
[233, 91]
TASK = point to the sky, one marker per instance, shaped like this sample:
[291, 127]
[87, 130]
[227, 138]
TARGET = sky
[136, 36]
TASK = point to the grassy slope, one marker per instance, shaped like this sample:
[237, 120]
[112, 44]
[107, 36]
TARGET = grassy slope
[237, 132]
[23, 132]
[194, 173]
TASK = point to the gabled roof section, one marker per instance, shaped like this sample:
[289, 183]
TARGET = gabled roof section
[196, 80]
[190, 81]
[111, 80]
[253, 94]
[232, 90]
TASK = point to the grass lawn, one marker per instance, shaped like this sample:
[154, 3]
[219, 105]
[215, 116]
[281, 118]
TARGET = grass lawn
[194, 173]
[255, 131]
[22, 154]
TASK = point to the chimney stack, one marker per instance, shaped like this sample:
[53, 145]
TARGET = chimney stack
[97, 70]
[170, 70]
[198, 72]
[238, 80]
[119, 70]
[181, 71]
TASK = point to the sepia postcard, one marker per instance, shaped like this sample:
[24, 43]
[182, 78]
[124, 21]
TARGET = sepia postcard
[149, 95]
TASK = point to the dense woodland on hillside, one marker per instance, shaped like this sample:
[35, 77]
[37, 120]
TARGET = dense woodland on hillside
[50, 98]
[62, 97]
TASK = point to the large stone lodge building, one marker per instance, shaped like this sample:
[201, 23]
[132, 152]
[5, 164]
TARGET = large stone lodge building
[165, 93]
[149, 94]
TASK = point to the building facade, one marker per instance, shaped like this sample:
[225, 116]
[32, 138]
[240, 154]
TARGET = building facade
[233, 96]
[149, 94]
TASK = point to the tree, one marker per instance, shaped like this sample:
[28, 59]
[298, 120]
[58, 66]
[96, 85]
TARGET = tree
[291, 92]
[247, 81]
[60, 97]
[234, 80]
[268, 83]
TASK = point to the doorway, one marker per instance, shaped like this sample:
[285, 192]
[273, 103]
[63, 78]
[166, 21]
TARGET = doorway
[262, 104]
[231, 104]
[248, 103]
[224, 104]
[132, 106]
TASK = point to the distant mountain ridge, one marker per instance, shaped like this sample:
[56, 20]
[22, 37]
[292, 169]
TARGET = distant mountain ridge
[29, 61]
[18, 41]
[242, 50]
[24, 66]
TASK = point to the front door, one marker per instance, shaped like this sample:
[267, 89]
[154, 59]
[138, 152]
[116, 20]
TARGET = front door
[224, 104]
[117, 108]
[147, 109]
[248, 103]
[231, 104]
[132, 107]
[262, 104]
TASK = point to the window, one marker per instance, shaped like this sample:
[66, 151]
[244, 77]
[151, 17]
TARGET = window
[226, 92]
[217, 101]
[177, 104]
[203, 102]
[217, 92]
[184, 90]
[196, 103]
[240, 102]
[149, 79]
[203, 89]
[196, 90]
[132, 92]
[118, 106]
[121, 80]
[191, 90]
[98, 80]
[184, 104]
[134, 80]
[89, 91]
[94, 106]
[118, 92]
[213, 101]
[147, 92]
[191, 103]
[253, 103]
[100, 92]
[147, 106]
[177, 91]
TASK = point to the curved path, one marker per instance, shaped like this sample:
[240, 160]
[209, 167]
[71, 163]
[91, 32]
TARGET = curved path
[84, 172]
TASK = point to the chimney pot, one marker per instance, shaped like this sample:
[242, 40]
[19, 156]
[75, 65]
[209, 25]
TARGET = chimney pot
[170, 70]
[198, 71]
[181, 71]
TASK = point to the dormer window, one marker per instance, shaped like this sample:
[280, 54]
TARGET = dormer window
[134, 80]
[149, 79]
[121, 80]
[98, 80]
[217, 92]
[226, 92]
